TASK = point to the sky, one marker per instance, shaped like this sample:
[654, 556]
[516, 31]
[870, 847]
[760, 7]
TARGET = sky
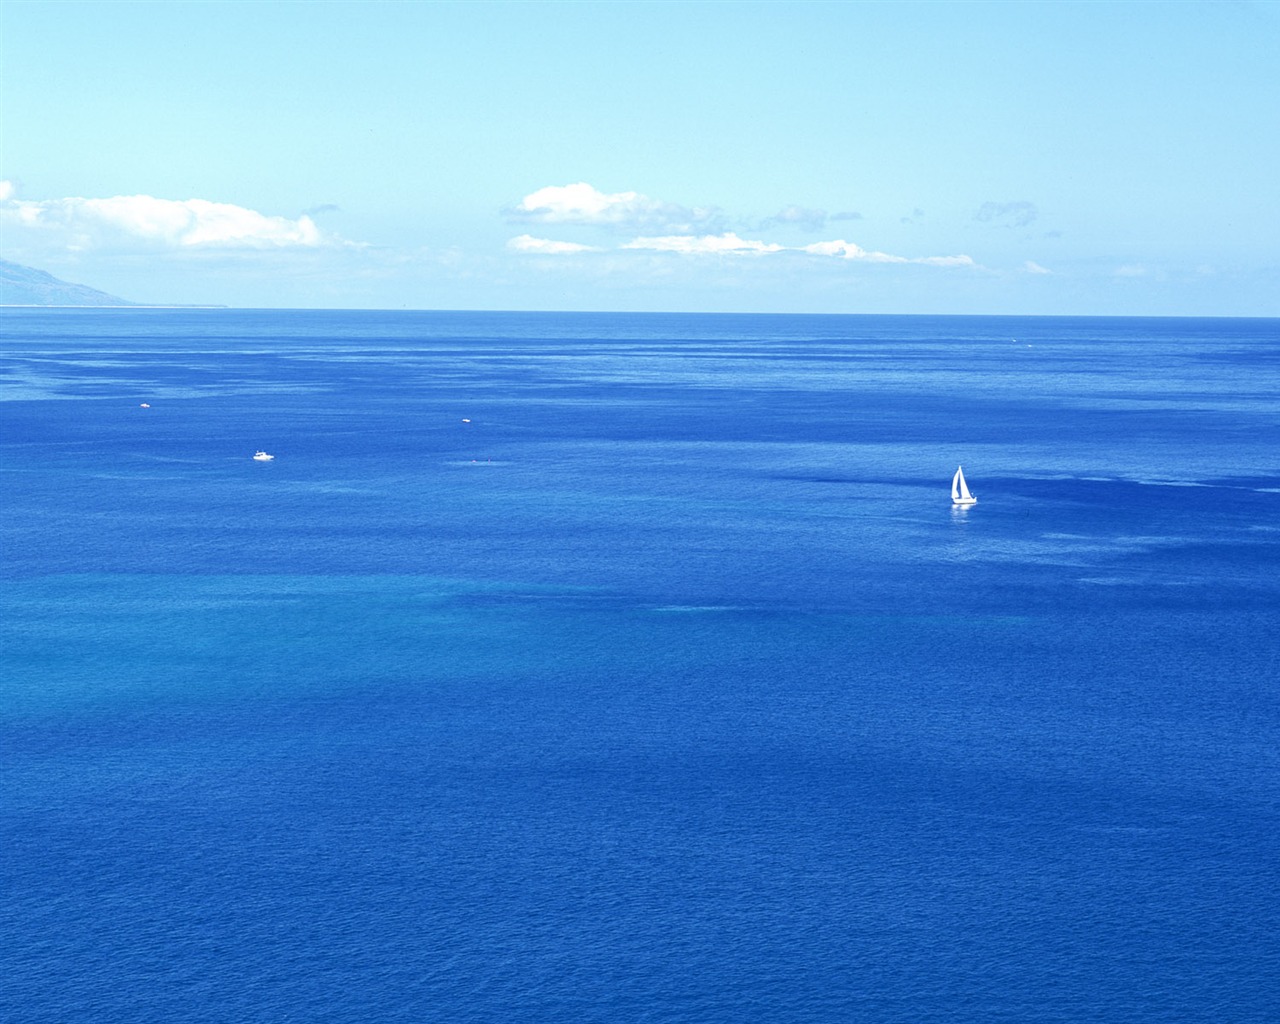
[972, 158]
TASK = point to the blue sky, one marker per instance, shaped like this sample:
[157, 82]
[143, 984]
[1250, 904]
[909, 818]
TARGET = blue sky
[1056, 158]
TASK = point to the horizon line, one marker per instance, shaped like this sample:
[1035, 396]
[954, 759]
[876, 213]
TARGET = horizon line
[193, 306]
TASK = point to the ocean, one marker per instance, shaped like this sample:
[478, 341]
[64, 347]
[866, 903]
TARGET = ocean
[637, 668]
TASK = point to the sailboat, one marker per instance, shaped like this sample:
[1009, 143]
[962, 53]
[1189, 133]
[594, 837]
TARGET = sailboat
[960, 490]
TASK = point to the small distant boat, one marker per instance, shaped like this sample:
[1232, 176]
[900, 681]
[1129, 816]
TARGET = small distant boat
[145, 405]
[960, 490]
[261, 456]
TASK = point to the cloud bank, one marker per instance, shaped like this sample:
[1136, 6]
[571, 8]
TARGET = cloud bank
[146, 221]
[729, 244]
[686, 231]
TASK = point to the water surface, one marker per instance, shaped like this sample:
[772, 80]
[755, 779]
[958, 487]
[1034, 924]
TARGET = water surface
[587, 667]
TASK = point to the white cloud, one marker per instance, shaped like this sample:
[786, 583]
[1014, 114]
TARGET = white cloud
[128, 221]
[703, 244]
[1032, 267]
[580, 203]
[849, 251]
[584, 204]
[6, 190]
[1131, 270]
[546, 246]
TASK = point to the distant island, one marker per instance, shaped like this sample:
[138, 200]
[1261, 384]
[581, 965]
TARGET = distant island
[27, 286]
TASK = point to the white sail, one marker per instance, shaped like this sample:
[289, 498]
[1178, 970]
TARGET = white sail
[960, 490]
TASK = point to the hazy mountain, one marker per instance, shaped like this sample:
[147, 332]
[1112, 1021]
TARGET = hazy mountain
[26, 286]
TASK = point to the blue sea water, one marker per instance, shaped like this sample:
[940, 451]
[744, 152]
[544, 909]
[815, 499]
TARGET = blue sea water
[636, 668]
